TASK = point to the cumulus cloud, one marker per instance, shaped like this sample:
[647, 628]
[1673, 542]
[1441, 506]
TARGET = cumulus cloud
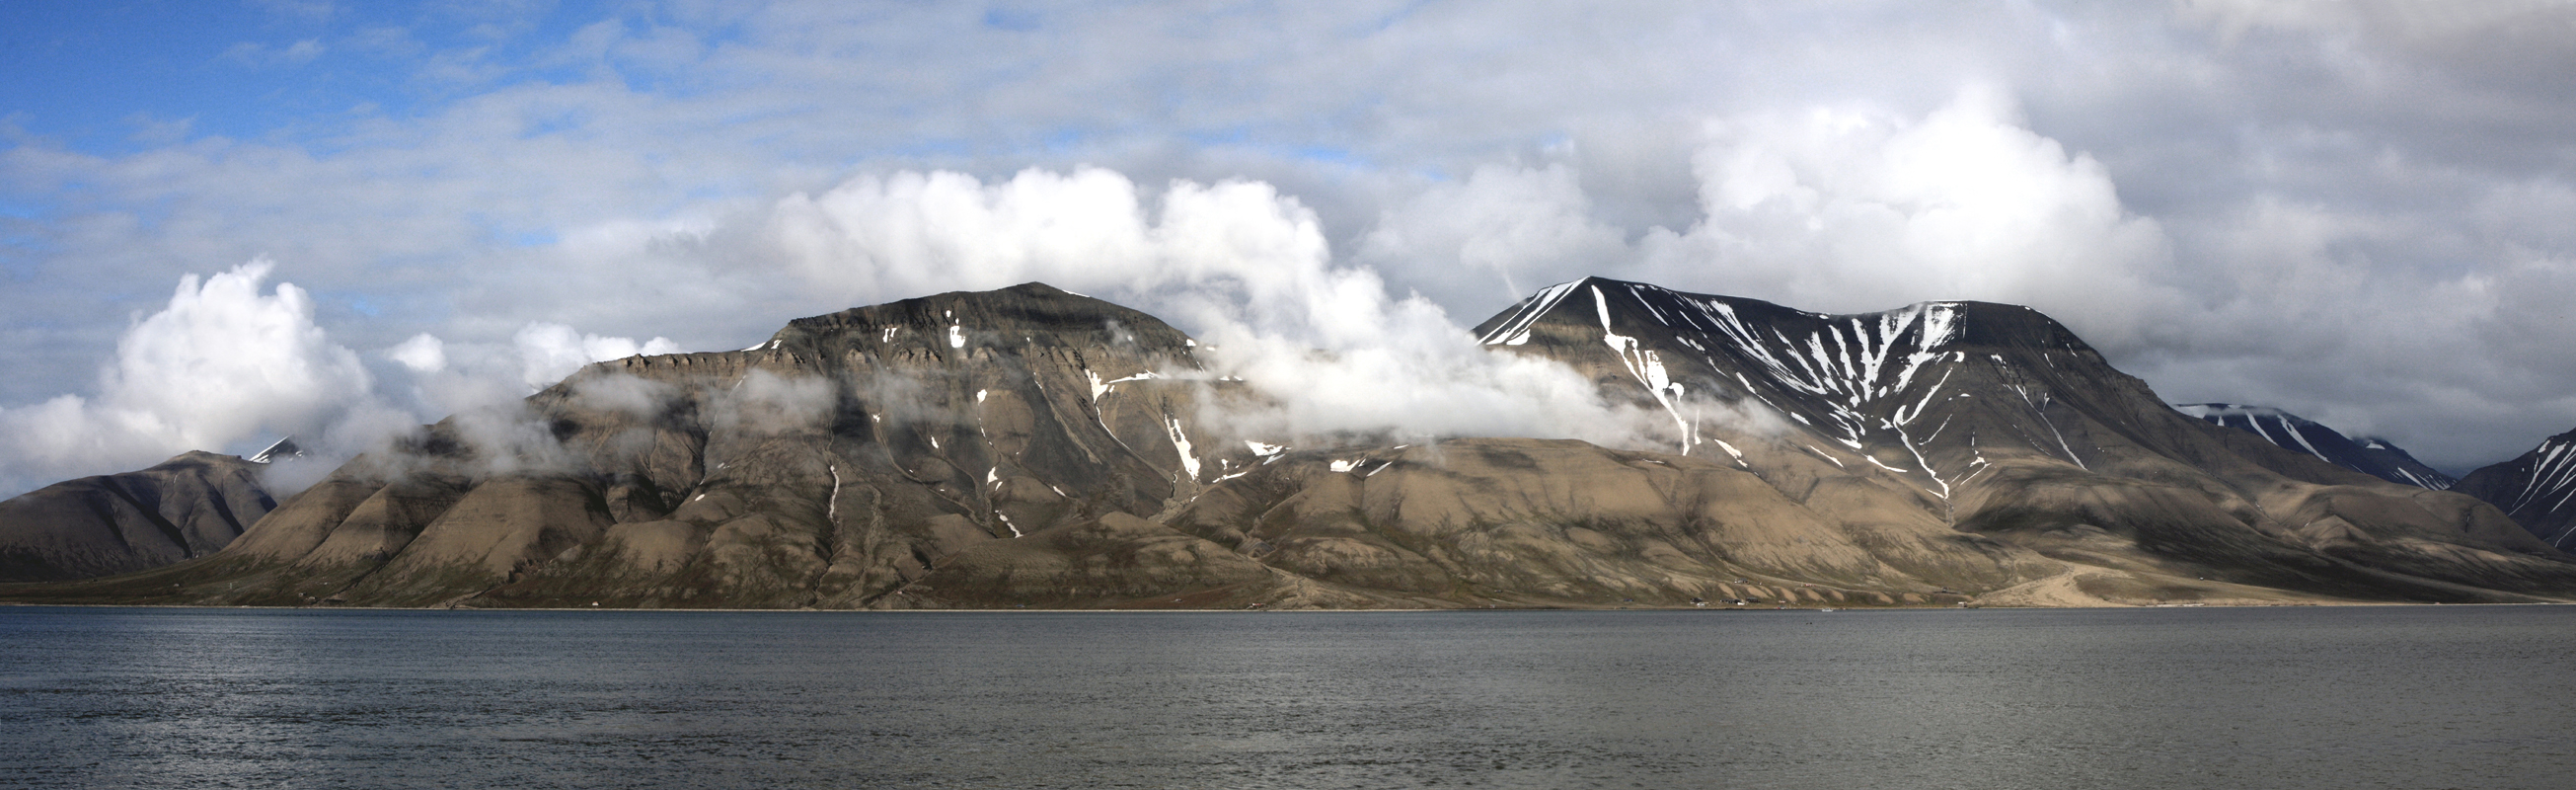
[549, 352]
[1246, 268]
[423, 353]
[225, 366]
[1502, 233]
[221, 364]
[622, 173]
[1847, 210]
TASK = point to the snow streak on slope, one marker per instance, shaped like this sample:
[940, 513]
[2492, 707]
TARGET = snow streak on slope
[2537, 489]
[2552, 472]
[1515, 331]
[2419, 477]
[1648, 367]
[1866, 377]
[2375, 457]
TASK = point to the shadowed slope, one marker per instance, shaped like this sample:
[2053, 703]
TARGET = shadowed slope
[2537, 488]
[188, 506]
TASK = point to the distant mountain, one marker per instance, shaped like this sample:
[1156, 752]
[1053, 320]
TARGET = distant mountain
[1031, 447]
[2368, 455]
[189, 506]
[2538, 489]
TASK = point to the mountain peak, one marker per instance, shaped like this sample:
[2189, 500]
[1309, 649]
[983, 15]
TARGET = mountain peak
[1941, 322]
[1028, 313]
[2537, 488]
[2370, 455]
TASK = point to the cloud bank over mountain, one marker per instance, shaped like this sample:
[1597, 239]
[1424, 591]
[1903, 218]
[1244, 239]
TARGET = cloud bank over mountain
[2350, 210]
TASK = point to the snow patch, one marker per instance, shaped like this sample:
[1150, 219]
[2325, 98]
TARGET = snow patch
[1515, 330]
[832, 504]
[1181, 442]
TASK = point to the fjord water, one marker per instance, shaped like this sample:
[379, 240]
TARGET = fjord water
[2414, 697]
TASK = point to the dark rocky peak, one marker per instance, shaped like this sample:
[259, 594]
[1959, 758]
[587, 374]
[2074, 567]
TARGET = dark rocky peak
[1021, 316]
[1890, 379]
[2537, 489]
[1600, 301]
[282, 449]
[2375, 457]
[2413, 472]
[189, 506]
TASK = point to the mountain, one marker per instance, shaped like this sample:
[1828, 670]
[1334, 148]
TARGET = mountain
[1031, 447]
[2014, 430]
[2368, 455]
[189, 506]
[2538, 489]
[834, 465]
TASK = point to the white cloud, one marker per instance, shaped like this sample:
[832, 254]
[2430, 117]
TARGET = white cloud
[423, 353]
[222, 364]
[1849, 210]
[549, 352]
[1247, 269]
[620, 177]
[1502, 233]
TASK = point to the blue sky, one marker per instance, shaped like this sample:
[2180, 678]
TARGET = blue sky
[115, 78]
[2354, 210]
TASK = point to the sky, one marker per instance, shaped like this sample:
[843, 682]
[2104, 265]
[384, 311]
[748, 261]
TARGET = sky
[221, 223]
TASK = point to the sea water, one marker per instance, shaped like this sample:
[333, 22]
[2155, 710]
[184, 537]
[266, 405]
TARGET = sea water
[2400, 697]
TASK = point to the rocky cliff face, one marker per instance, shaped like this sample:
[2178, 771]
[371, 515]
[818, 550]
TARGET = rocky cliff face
[188, 506]
[1029, 447]
[2537, 488]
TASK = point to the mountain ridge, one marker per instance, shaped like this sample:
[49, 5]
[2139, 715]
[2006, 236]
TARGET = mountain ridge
[2537, 489]
[2368, 455]
[191, 505]
[1028, 446]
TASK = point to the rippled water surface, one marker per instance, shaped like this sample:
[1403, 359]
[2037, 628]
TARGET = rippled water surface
[2424, 697]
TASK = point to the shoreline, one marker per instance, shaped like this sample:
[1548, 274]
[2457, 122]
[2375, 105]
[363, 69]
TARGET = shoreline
[1570, 609]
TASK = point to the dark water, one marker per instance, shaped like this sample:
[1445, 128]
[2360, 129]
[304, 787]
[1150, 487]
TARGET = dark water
[2430, 697]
